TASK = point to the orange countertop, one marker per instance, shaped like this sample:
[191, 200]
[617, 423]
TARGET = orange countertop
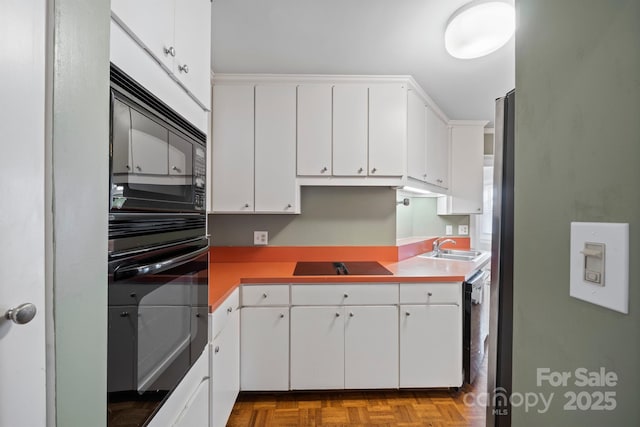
[225, 276]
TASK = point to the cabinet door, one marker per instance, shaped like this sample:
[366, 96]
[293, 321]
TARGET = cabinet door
[387, 129]
[467, 146]
[314, 130]
[371, 347]
[430, 346]
[350, 130]
[264, 335]
[151, 23]
[317, 348]
[416, 138]
[275, 149]
[232, 165]
[196, 411]
[192, 46]
[225, 371]
[437, 150]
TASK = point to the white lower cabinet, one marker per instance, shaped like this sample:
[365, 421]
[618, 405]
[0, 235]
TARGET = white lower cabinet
[317, 348]
[353, 347]
[188, 404]
[371, 347]
[225, 368]
[264, 344]
[430, 345]
[196, 413]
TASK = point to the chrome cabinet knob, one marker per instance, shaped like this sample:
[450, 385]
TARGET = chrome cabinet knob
[184, 68]
[264, 295]
[351, 314]
[170, 51]
[429, 294]
[229, 310]
[246, 205]
[373, 170]
[407, 313]
[282, 315]
[346, 295]
[324, 169]
[360, 170]
[289, 206]
[138, 168]
[217, 349]
[24, 313]
[337, 314]
[175, 168]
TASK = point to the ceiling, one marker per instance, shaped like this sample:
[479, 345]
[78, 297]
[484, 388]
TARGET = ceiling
[360, 37]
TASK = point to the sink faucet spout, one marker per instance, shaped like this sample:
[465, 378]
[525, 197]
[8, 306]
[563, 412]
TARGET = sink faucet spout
[437, 244]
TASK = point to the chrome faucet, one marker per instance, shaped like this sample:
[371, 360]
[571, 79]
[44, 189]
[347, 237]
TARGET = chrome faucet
[437, 244]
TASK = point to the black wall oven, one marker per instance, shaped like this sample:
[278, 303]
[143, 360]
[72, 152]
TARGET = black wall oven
[158, 252]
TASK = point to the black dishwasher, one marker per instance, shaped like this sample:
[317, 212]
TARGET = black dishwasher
[473, 339]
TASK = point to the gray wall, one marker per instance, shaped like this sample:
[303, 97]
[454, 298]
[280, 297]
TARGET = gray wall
[354, 216]
[577, 152]
[79, 155]
[420, 219]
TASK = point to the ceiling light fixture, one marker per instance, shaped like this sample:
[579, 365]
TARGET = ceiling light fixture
[479, 28]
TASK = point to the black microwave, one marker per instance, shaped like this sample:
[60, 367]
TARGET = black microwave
[157, 159]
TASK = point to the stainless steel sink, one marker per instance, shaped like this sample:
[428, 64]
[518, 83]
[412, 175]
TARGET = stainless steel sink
[453, 254]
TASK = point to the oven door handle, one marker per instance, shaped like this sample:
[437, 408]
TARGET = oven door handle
[156, 267]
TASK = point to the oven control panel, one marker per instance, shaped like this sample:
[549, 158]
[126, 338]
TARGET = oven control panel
[199, 178]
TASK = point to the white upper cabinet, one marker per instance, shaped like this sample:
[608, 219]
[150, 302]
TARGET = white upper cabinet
[178, 35]
[193, 53]
[314, 129]
[232, 145]
[437, 150]
[387, 129]
[416, 137]
[350, 130]
[275, 148]
[467, 154]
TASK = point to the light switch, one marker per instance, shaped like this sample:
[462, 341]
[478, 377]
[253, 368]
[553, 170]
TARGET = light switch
[599, 264]
[594, 262]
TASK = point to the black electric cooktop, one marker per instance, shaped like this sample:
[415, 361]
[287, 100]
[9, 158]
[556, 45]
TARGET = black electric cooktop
[330, 268]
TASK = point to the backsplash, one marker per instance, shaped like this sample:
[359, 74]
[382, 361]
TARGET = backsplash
[420, 218]
[331, 216]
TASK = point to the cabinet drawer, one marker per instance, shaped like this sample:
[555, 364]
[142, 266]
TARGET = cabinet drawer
[265, 295]
[431, 293]
[340, 294]
[221, 315]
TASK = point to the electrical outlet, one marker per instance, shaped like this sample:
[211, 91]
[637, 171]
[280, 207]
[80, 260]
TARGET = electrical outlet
[463, 230]
[260, 238]
[449, 230]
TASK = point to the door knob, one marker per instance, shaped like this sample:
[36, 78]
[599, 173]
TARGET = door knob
[21, 314]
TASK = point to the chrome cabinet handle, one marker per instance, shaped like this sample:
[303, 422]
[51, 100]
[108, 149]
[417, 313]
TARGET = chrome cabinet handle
[184, 68]
[170, 51]
[175, 168]
[24, 313]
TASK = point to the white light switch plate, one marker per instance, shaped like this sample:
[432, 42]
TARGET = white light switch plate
[260, 238]
[449, 230]
[463, 230]
[613, 292]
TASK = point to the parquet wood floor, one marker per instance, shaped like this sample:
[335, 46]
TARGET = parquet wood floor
[388, 408]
